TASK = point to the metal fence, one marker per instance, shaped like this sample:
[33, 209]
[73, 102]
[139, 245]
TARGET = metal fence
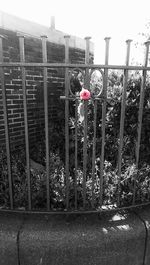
[86, 69]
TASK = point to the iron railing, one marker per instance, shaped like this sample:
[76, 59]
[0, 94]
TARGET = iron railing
[87, 68]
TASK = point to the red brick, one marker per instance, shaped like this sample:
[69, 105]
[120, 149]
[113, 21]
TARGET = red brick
[34, 80]
[15, 125]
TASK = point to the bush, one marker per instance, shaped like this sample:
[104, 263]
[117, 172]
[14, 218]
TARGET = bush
[131, 177]
[58, 187]
[38, 182]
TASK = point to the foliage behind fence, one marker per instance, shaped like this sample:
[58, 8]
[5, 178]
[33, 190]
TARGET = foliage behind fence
[101, 161]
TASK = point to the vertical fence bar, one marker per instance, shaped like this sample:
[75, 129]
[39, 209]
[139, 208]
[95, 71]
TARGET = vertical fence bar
[140, 116]
[94, 151]
[85, 153]
[44, 55]
[6, 125]
[76, 150]
[67, 83]
[128, 42]
[22, 59]
[104, 117]
[87, 59]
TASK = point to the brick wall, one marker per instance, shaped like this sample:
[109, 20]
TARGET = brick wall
[34, 86]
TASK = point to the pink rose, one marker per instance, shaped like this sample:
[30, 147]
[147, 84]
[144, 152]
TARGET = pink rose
[85, 94]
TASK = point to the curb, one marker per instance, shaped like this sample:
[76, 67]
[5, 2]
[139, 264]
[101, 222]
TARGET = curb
[144, 215]
[118, 238]
[9, 235]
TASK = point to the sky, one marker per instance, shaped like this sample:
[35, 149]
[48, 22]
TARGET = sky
[118, 19]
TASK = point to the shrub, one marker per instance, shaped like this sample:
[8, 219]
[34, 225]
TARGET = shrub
[131, 177]
[58, 187]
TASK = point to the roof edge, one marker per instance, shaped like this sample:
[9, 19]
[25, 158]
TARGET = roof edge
[32, 29]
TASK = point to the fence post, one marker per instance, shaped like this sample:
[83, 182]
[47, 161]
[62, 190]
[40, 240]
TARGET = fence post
[94, 150]
[140, 116]
[44, 56]
[123, 103]
[105, 81]
[67, 84]
[87, 84]
[22, 60]
[6, 124]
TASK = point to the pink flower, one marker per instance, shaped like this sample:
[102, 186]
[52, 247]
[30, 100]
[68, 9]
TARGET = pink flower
[85, 94]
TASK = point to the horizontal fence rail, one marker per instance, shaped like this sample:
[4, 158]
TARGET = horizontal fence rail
[86, 179]
[61, 65]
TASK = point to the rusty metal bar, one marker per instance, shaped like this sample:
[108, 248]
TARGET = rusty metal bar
[44, 55]
[76, 150]
[94, 151]
[50, 213]
[128, 42]
[63, 65]
[67, 84]
[6, 125]
[87, 61]
[73, 98]
[85, 153]
[140, 116]
[104, 118]
[87, 57]
[22, 59]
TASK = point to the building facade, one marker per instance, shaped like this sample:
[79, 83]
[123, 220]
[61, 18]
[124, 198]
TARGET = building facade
[10, 27]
